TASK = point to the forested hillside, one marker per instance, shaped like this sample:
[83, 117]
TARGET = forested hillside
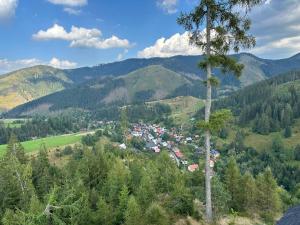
[268, 106]
[32, 83]
[147, 84]
[103, 185]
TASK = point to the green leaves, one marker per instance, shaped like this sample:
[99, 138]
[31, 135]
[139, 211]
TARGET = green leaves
[225, 63]
[217, 120]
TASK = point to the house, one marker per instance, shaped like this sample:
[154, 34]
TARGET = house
[211, 163]
[178, 153]
[156, 149]
[150, 145]
[215, 154]
[122, 146]
[184, 162]
[189, 139]
[193, 167]
[164, 144]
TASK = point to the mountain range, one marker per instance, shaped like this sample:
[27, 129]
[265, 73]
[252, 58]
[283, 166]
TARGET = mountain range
[43, 88]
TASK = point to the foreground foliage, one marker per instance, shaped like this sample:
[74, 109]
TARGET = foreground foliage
[103, 185]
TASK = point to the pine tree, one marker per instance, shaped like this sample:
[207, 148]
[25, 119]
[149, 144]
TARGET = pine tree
[268, 197]
[220, 197]
[297, 153]
[105, 214]
[133, 214]
[288, 132]
[146, 191]
[16, 149]
[221, 21]
[233, 184]
[41, 175]
[156, 215]
[123, 201]
[249, 194]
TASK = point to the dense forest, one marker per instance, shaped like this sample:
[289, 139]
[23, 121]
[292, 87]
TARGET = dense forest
[268, 106]
[103, 185]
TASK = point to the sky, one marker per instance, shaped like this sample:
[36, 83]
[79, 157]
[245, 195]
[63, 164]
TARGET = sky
[75, 33]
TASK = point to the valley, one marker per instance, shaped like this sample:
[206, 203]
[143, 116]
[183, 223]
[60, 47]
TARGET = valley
[164, 112]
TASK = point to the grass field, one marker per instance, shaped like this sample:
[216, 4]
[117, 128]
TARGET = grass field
[13, 122]
[49, 142]
[265, 141]
[183, 107]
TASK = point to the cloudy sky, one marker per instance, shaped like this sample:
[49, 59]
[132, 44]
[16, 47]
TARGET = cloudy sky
[73, 33]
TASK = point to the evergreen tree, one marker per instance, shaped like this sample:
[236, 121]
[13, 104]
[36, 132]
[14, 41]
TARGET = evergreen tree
[238, 143]
[105, 214]
[288, 132]
[156, 215]
[15, 148]
[268, 198]
[233, 184]
[41, 173]
[220, 197]
[249, 194]
[146, 192]
[123, 201]
[133, 214]
[221, 21]
[297, 153]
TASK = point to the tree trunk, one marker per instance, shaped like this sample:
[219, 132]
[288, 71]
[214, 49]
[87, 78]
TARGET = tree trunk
[207, 116]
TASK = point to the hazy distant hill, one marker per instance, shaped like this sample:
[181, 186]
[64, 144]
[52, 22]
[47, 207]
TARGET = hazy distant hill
[28, 84]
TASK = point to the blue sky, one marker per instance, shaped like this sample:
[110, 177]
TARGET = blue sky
[73, 33]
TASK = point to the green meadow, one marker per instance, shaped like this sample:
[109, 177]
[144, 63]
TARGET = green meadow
[49, 142]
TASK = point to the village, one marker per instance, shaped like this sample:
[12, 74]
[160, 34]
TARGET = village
[157, 138]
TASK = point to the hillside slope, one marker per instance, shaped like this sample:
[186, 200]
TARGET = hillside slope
[267, 107]
[27, 84]
[146, 84]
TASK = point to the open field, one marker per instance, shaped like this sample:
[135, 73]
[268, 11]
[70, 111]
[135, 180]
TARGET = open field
[13, 122]
[183, 107]
[261, 142]
[264, 142]
[49, 142]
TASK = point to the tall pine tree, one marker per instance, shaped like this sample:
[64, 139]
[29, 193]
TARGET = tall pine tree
[225, 30]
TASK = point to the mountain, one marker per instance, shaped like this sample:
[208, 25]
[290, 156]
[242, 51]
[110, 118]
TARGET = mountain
[28, 84]
[146, 84]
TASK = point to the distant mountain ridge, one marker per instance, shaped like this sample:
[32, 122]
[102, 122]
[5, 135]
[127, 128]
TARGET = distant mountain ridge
[28, 84]
[145, 84]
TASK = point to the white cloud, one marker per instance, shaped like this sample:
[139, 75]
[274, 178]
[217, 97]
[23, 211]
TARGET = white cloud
[178, 44]
[12, 65]
[62, 64]
[71, 3]
[7, 65]
[276, 26]
[7, 8]
[72, 11]
[81, 37]
[122, 55]
[268, 1]
[169, 6]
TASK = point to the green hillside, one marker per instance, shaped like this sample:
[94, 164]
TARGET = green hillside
[28, 84]
[147, 84]
[266, 110]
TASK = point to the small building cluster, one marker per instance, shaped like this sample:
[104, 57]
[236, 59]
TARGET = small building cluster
[157, 137]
